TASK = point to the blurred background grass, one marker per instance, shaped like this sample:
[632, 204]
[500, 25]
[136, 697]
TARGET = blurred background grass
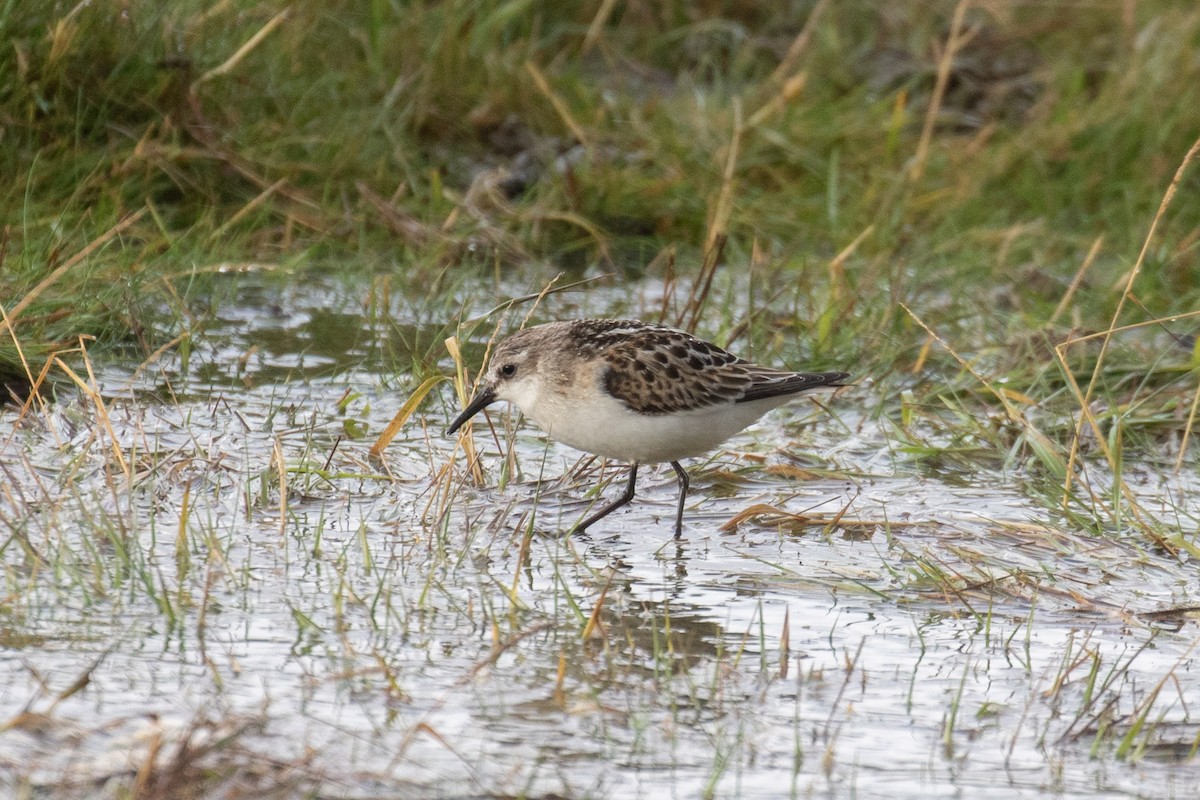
[434, 142]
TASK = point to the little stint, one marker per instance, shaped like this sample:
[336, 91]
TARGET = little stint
[633, 391]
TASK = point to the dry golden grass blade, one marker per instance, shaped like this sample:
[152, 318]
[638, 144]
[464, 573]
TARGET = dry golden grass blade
[766, 512]
[1088, 260]
[243, 51]
[1168, 196]
[560, 679]
[790, 90]
[785, 636]
[217, 9]
[407, 226]
[410, 405]
[1085, 399]
[241, 213]
[953, 43]
[432, 733]
[595, 625]
[1018, 397]
[183, 557]
[446, 481]
[149, 768]
[1109, 456]
[1045, 450]
[30, 721]
[1081, 398]
[62, 37]
[442, 481]
[791, 472]
[1187, 429]
[923, 355]
[80, 683]
[718, 227]
[560, 107]
[1037, 440]
[1109, 332]
[1181, 614]
[36, 386]
[799, 44]
[464, 397]
[522, 556]
[101, 411]
[157, 354]
[597, 26]
[281, 471]
[67, 265]
[581, 222]
[697, 298]
[837, 266]
[12, 334]
[537, 301]
[536, 297]
[1018, 526]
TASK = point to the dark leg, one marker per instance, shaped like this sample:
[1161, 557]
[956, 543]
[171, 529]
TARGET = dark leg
[614, 505]
[684, 483]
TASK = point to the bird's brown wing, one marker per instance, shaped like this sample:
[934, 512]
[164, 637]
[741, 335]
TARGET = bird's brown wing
[662, 370]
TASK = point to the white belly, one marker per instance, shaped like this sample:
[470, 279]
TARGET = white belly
[602, 425]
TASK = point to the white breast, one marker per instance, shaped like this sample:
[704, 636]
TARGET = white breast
[595, 422]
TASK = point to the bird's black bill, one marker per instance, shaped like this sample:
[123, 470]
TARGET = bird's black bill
[481, 401]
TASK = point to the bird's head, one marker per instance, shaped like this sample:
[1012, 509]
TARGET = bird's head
[512, 375]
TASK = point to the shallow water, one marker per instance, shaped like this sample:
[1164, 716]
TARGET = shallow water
[362, 629]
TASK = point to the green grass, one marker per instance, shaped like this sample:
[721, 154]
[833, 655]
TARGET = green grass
[354, 137]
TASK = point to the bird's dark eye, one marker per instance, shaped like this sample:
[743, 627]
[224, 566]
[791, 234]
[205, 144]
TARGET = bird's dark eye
[508, 370]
